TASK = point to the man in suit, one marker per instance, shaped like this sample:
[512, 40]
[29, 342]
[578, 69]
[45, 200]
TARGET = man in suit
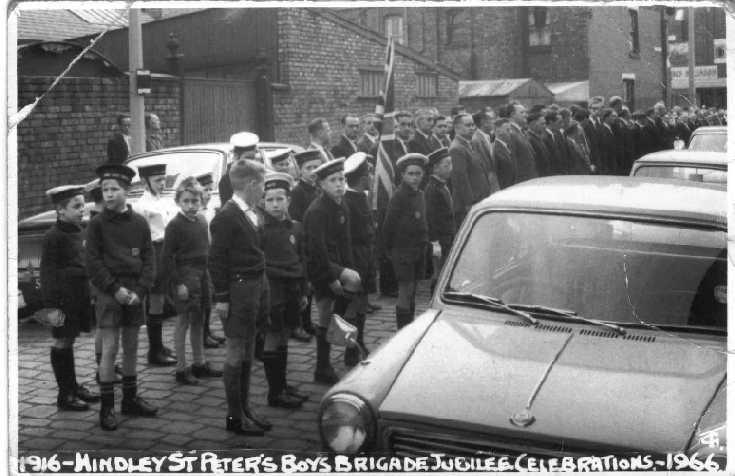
[423, 141]
[520, 147]
[608, 153]
[153, 135]
[320, 132]
[347, 144]
[536, 131]
[482, 144]
[469, 180]
[441, 131]
[506, 167]
[368, 141]
[591, 127]
[647, 137]
[118, 147]
[403, 132]
[555, 142]
[619, 133]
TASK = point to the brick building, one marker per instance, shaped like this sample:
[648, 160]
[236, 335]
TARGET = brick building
[617, 50]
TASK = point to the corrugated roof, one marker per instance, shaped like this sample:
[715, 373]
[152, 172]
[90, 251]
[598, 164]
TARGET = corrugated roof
[490, 87]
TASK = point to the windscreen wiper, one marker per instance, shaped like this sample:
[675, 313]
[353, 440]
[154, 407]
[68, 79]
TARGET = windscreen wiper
[495, 304]
[571, 315]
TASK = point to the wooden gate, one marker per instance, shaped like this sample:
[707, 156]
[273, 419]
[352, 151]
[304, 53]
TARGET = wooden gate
[214, 109]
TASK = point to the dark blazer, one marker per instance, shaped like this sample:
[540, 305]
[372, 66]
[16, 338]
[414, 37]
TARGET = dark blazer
[117, 149]
[505, 163]
[557, 152]
[236, 249]
[62, 267]
[469, 179]
[365, 144]
[591, 132]
[395, 150]
[523, 156]
[344, 148]
[301, 197]
[648, 139]
[328, 241]
[483, 147]
[421, 144]
[439, 211]
[608, 152]
[541, 154]
[405, 221]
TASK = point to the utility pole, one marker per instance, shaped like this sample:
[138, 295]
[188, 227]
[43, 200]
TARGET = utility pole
[692, 88]
[137, 103]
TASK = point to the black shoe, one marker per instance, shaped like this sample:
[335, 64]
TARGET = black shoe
[160, 359]
[300, 335]
[294, 392]
[205, 371]
[168, 352]
[138, 407]
[326, 376]
[248, 429]
[352, 356]
[70, 402]
[107, 419]
[210, 343]
[259, 421]
[83, 393]
[284, 400]
[186, 378]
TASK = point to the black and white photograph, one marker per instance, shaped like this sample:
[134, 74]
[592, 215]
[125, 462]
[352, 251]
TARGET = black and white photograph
[367, 236]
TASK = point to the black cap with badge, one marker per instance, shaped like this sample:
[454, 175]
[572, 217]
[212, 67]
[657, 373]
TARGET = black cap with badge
[276, 180]
[308, 156]
[436, 156]
[329, 168]
[115, 171]
[64, 192]
[151, 170]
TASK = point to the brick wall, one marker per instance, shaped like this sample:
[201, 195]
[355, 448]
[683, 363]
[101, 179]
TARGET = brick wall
[566, 59]
[319, 61]
[65, 137]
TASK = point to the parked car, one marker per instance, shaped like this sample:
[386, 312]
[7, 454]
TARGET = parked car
[709, 138]
[184, 161]
[574, 316]
[698, 166]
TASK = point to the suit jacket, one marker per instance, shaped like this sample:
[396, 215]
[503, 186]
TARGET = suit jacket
[649, 140]
[469, 181]
[483, 147]
[422, 144]
[591, 132]
[366, 144]
[301, 197]
[117, 149]
[541, 154]
[557, 152]
[523, 155]
[439, 211]
[395, 150]
[608, 162]
[344, 148]
[326, 154]
[505, 164]
[328, 241]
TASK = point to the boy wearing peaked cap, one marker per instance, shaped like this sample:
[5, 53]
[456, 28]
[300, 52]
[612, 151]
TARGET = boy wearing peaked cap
[362, 230]
[65, 292]
[120, 265]
[284, 265]
[244, 146]
[329, 259]
[211, 341]
[158, 212]
[405, 234]
[439, 208]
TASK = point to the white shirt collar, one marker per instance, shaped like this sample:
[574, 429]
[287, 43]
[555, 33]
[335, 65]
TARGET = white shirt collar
[246, 209]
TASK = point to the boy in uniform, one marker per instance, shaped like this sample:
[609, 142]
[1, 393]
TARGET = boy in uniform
[211, 341]
[439, 208]
[244, 146]
[362, 230]
[302, 195]
[405, 234]
[185, 249]
[283, 247]
[120, 265]
[329, 259]
[157, 213]
[237, 268]
[65, 290]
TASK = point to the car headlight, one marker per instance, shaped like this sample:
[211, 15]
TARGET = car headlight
[346, 424]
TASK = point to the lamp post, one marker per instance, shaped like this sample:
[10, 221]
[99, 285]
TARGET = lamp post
[135, 63]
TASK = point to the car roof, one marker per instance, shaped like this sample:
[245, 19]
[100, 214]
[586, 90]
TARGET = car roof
[686, 156]
[643, 197]
[710, 129]
[223, 147]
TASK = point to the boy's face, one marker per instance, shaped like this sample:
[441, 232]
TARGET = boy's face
[334, 185]
[206, 192]
[412, 176]
[276, 203]
[113, 195]
[308, 168]
[282, 166]
[73, 212]
[156, 184]
[443, 169]
[189, 203]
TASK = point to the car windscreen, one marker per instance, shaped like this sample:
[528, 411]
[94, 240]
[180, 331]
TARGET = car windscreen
[709, 142]
[180, 165]
[695, 174]
[608, 269]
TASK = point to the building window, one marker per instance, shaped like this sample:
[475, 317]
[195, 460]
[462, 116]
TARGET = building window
[371, 82]
[426, 85]
[629, 93]
[457, 27]
[539, 27]
[394, 27]
[635, 46]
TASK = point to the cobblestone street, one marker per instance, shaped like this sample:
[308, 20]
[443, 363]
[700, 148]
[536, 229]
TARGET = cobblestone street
[189, 417]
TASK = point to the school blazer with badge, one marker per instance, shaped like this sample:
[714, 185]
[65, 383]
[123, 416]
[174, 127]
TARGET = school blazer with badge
[119, 246]
[283, 247]
[62, 261]
[328, 240]
[235, 250]
[405, 222]
[439, 211]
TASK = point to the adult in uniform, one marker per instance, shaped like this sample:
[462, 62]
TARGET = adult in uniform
[237, 268]
[65, 290]
[362, 231]
[347, 144]
[329, 259]
[244, 146]
[158, 212]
